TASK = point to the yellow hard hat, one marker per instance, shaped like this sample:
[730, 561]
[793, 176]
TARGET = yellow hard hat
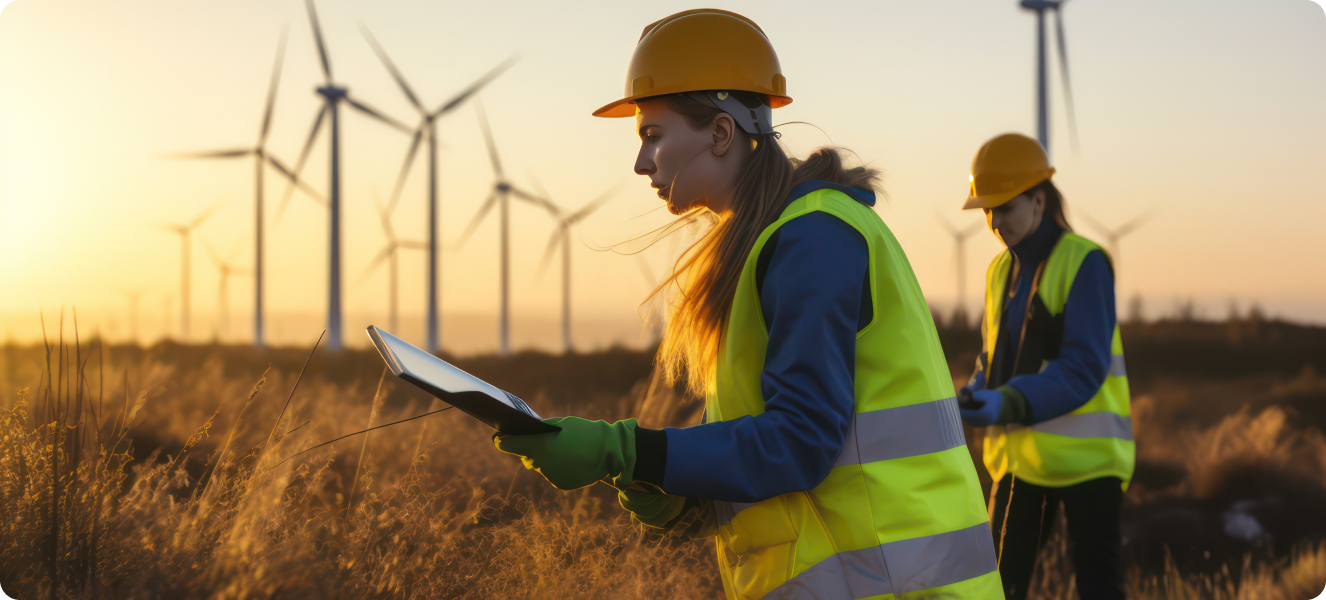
[702, 49]
[1004, 167]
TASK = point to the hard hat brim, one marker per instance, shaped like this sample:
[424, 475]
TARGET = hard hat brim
[994, 200]
[989, 200]
[626, 106]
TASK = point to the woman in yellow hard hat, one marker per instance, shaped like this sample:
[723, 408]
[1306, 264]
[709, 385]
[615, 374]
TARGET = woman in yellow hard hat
[1050, 383]
[831, 462]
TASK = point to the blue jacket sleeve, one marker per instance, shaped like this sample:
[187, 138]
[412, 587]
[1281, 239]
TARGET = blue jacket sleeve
[1071, 380]
[811, 299]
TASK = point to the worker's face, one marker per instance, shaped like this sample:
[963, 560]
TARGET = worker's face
[688, 167]
[1014, 220]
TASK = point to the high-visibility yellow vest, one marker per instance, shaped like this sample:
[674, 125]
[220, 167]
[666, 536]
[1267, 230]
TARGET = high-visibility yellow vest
[901, 511]
[1093, 441]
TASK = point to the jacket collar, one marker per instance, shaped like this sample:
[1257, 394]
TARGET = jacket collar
[864, 197]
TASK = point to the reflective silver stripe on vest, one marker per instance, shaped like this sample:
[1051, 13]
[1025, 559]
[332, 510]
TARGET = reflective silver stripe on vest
[886, 434]
[896, 567]
[1085, 425]
[1116, 366]
[902, 431]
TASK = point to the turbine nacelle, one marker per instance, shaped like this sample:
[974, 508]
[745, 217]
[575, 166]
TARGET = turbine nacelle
[1039, 5]
[331, 91]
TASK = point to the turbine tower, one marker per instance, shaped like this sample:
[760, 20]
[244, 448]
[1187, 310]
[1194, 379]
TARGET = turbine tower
[1042, 85]
[333, 95]
[262, 158]
[185, 230]
[500, 196]
[960, 237]
[225, 268]
[562, 235]
[389, 254]
[427, 129]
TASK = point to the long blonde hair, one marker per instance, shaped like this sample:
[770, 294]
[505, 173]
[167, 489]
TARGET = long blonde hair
[705, 275]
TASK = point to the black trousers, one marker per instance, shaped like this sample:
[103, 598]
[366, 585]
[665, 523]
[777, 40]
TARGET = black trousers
[1092, 509]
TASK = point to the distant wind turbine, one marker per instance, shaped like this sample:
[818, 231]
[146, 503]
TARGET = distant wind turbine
[1112, 236]
[562, 235]
[225, 268]
[960, 237]
[133, 296]
[499, 196]
[427, 129]
[389, 254]
[184, 231]
[262, 158]
[333, 95]
[1042, 85]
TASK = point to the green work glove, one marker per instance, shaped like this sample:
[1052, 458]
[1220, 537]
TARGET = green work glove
[582, 453]
[651, 507]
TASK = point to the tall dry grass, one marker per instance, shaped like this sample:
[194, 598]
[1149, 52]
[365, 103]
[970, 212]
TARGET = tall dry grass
[132, 474]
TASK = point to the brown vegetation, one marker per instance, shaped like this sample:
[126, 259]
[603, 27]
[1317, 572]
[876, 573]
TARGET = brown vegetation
[160, 463]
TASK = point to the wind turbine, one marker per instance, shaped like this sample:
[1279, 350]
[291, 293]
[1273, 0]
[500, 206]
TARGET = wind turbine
[184, 230]
[133, 296]
[427, 129]
[562, 234]
[333, 95]
[262, 158]
[500, 196]
[389, 253]
[225, 268]
[960, 237]
[1112, 236]
[1042, 86]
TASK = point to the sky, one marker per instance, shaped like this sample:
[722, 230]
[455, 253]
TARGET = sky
[1205, 116]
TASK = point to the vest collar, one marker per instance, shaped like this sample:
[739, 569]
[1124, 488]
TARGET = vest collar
[1037, 246]
[864, 197]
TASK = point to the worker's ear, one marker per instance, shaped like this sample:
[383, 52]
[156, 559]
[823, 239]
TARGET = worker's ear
[1038, 201]
[725, 132]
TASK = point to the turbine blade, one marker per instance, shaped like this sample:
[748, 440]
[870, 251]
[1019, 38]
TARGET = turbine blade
[474, 223]
[216, 259]
[377, 260]
[537, 201]
[474, 87]
[1132, 225]
[391, 67]
[300, 183]
[953, 231]
[299, 164]
[972, 229]
[206, 214]
[376, 114]
[405, 168]
[552, 247]
[594, 204]
[384, 215]
[271, 91]
[1063, 66]
[317, 37]
[412, 244]
[235, 153]
[1094, 223]
[488, 139]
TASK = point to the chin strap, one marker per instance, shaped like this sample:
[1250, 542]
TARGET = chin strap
[754, 119]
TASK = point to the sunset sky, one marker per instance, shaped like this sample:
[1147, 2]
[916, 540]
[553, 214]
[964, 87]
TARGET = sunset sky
[1207, 114]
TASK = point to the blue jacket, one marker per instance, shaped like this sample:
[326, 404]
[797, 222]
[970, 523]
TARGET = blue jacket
[1089, 319]
[814, 300]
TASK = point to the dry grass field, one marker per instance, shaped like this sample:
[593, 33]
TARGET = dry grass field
[162, 473]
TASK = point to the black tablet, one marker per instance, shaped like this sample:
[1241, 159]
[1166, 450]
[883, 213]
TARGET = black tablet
[498, 409]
